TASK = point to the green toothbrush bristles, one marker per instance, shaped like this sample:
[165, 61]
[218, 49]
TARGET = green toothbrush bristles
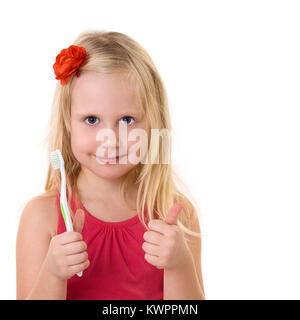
[55, 160]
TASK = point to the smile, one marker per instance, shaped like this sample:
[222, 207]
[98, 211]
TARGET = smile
[110, 159]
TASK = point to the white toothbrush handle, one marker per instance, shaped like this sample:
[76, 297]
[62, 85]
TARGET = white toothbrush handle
[64, 206]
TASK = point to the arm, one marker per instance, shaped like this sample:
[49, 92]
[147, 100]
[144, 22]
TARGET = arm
[182, 284]
[186, 283]
[33, 239]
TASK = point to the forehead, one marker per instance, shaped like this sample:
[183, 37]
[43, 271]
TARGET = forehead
[96, 92]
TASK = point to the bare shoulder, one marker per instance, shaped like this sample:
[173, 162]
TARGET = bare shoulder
[41, 211]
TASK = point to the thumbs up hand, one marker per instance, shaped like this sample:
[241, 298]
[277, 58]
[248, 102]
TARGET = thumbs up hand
[165, 246]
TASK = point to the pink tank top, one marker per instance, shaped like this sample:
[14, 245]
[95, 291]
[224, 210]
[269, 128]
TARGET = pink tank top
[118, 269]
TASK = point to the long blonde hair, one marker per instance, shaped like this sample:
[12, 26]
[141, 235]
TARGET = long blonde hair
[159, 187]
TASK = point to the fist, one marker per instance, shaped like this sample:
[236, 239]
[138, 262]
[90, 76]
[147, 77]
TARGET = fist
[67, 253]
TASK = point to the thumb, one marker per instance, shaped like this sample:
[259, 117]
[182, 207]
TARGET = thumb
[173, 213]
[78, 222]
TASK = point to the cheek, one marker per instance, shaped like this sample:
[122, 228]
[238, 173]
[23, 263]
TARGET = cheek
[81, 140]
[139, 146]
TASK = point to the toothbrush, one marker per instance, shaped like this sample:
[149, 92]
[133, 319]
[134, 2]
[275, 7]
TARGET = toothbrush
[57, 162]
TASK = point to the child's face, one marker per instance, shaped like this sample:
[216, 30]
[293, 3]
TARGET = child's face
[100, 102]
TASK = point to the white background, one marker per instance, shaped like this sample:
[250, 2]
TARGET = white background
[232, 74]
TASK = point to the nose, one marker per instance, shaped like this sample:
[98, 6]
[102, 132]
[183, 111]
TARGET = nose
[109, 141]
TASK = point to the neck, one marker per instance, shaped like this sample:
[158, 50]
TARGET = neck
[94, 187]
[97, 187]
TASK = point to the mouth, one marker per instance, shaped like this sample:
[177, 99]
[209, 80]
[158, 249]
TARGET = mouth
[103, 159]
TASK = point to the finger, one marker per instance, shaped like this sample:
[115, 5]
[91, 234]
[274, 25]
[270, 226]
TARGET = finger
[79, 220]
[158, 225]
[79, 267]
[151, 249]
[153, 237]
[154, 260]
[77, 258]
[173, 213]
[68, 237]
[74, 247]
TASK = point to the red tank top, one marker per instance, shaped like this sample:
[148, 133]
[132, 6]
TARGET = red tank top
[118, 269]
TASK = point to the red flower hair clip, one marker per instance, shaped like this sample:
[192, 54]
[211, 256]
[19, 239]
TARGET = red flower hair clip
[67, 62]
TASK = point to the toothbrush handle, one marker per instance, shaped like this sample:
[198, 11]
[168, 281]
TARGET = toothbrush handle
[68, 222]
[63, 202]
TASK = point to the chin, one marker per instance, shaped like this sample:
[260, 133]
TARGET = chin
[109, 175]
[110, 170]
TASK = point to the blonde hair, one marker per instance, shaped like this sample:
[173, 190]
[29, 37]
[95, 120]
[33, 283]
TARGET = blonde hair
[159, 187]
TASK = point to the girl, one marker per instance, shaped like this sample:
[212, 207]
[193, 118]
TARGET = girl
[136, 235]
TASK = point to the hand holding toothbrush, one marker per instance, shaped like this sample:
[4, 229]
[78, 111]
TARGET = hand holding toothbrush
[67, 253]
[57, 162]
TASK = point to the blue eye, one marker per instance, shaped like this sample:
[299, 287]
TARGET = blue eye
[92, 119]
[127, 118]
